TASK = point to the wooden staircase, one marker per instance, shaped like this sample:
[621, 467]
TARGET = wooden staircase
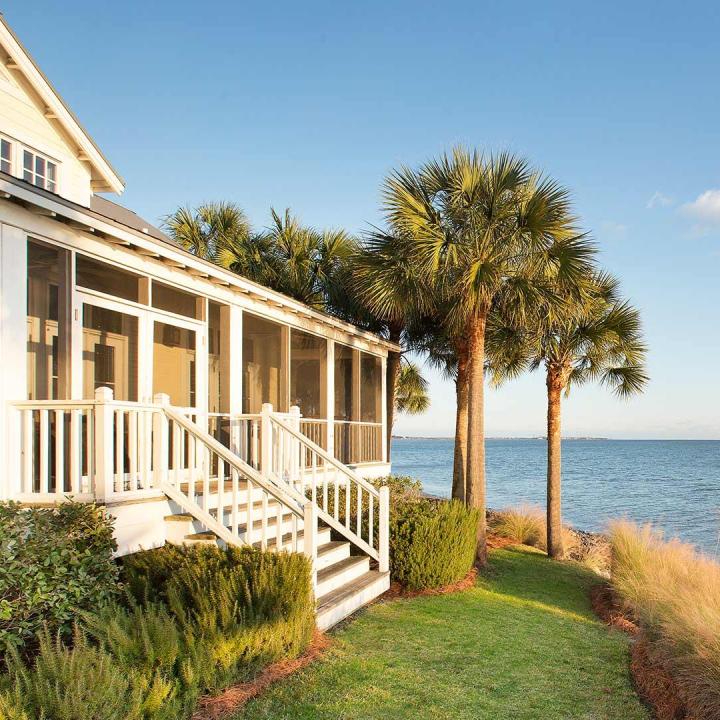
[301, 500]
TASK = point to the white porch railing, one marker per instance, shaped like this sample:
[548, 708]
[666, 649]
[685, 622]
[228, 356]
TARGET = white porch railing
[358, 442]
[344, 500]
[256, 479]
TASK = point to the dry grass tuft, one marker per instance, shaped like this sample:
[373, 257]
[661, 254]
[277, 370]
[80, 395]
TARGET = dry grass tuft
[673, 592]
[524, 524]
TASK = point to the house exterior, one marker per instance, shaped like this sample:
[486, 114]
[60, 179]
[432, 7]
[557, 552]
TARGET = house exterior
[196, 405]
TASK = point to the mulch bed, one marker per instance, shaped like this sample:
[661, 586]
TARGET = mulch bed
[652, 681]
[230, 701]
[397, 591]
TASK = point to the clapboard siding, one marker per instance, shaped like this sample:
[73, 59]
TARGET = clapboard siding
[23, 121]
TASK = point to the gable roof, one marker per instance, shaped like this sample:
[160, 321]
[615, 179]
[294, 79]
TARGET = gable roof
[104, 176]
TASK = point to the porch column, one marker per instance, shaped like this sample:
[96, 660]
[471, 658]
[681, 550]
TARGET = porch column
[355, 430]
[383, 408]
[330, 393]
[231, 370]
[13, 350]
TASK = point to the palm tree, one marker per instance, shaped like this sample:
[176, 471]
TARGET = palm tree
[596, 336]
[411, 396]
[306, 263]
[216, 231]
[483, 229]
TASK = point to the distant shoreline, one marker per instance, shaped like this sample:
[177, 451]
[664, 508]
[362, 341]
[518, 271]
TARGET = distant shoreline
[572, 438]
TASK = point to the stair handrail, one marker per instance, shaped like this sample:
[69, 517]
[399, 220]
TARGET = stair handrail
[381, 553]
[289, 497]
[325, 455]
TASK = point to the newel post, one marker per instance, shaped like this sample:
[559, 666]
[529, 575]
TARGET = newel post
[161, 443]
[103, 481]
[310, 539]
[384, 529]
[266, 448]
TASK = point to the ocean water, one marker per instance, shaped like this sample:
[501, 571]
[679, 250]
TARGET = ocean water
[673, 484]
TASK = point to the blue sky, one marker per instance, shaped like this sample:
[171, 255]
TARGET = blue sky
[308, 105]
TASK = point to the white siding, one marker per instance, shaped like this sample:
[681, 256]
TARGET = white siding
[23, 121]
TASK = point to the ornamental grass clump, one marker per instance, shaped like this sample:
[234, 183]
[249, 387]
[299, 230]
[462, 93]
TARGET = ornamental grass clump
[524, 525]
[673, 592]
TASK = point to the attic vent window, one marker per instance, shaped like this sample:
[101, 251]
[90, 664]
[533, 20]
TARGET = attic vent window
[39, 171]
[5, 155]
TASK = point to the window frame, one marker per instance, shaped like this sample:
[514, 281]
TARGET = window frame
[11, 159]
[47, 161]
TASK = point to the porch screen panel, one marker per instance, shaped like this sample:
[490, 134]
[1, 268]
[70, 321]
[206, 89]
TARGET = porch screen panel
[110, 352]
[345, 440]
[48, 326]
[174, 363]
[370, 388]
[263, 367]
[343, 382]
[308, 360]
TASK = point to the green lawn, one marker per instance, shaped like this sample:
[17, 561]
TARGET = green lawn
[522, 644]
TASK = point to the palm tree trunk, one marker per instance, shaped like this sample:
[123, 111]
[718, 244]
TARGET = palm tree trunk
[554, 507]
[459, 491]
[392, 371]
[475, 479]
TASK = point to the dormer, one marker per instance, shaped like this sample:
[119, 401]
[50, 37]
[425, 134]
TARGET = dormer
[41, 140]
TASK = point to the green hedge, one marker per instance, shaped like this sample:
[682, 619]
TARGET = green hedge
[54, 563]
[432, 542]
[196, 620]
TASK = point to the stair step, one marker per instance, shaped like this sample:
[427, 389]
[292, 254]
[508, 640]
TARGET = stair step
[341, 573]
[272, 511]
[345, 600]
[201, 538]
[323, 539]
[332, 552]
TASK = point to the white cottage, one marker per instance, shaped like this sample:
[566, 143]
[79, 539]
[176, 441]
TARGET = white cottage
[196, 405]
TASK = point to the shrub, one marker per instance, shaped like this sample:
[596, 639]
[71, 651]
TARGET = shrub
[432, 543]
[78, 683]
[673, 591]
[212, 616]
[54, 562]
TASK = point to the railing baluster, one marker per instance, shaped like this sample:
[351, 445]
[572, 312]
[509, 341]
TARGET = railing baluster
[133, 447]
[264, 529]
[314, 479]
[371, 527]
[28, 444]
[348, 490]
[221, 491]
[59, 453]
[44, 452]
[359, 510]
[192, 460]
[325, 487]
[235, 501]
[336, 504]
[119, 484]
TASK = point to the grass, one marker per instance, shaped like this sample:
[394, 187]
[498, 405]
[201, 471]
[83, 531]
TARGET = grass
[522, 644]
[673, 591]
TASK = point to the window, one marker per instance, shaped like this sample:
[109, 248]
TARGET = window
[344, 409]
[39, 170]
[5, 155]
[104, 278]
[175, 301]
[110, 352]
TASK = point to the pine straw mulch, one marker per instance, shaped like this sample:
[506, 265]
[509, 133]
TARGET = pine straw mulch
[230, 701]
[652, 681]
